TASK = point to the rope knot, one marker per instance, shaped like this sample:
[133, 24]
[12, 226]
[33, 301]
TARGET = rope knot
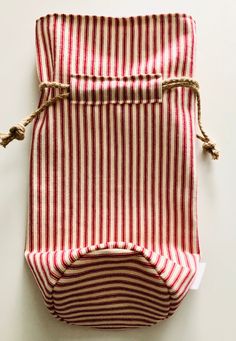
[209, 147]
[18, 131]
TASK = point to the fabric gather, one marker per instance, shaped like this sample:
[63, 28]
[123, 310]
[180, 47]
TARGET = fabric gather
[17, 132]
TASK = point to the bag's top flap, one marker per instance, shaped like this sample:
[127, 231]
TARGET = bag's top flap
[108, 46]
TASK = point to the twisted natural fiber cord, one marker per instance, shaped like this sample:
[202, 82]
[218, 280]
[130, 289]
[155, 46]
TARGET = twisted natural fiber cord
[18, 131]
[53, 85]
[172, 83]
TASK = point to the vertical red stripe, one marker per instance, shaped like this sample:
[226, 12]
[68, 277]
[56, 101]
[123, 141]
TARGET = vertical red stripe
[115, 115]
[146, 150]
[115, 142]
[55, 151]
[62, 130]
[169, 133]
[184, 151]
[108, 136]
[123, 129]
[138, 174]
[101, 159]
[101, 140]
[93, 189]
[78, 142]
[70, 142]
[153, 169]
[85, 128]
[160, 162]
[130, 174]
[123, 149]
[93, 133]
[131, 114]
[176, 134]
[145, 190]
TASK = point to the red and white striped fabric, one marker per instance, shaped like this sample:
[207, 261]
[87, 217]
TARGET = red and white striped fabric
[116, 90]
[112, 231]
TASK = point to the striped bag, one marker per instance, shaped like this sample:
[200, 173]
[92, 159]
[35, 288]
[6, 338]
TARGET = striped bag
[112, 237]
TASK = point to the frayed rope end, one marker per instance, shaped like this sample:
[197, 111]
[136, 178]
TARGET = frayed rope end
[209, 147]
[16, 132]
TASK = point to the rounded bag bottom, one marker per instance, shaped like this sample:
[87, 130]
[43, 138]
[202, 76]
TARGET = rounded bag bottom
[110, 287]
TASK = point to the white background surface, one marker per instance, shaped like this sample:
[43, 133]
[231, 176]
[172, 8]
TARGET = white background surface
[206, 314]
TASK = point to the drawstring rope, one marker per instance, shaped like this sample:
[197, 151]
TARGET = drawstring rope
[169, 84]
[18, 131]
